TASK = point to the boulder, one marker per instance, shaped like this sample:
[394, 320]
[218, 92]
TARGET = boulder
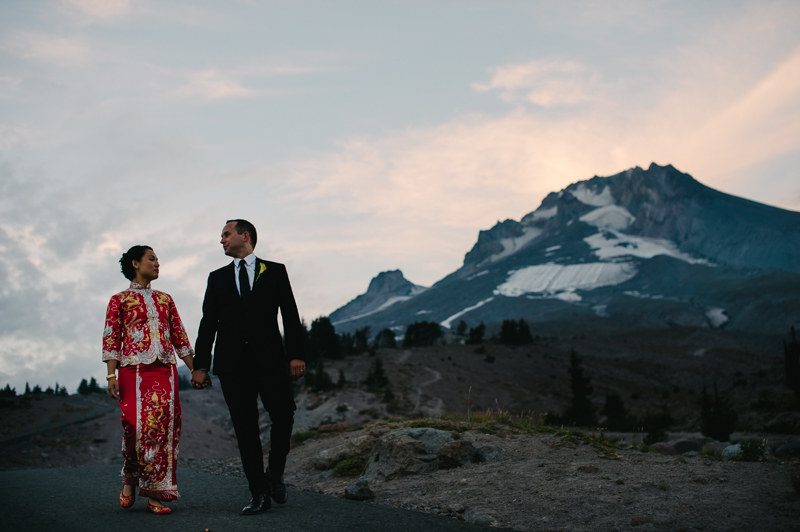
[359, 490]
[686, 446]
[455, 454]
[732, 452]
[330, 457]
[487, 454]
[664, 448]
[406, 452]
[788, 450]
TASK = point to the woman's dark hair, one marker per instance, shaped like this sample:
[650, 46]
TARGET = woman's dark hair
[134, 254]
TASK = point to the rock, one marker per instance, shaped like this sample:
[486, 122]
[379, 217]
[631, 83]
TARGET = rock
[456, 508]
[481, 519]
[455, 454]
[664, 448]
[620, 481]
[334, 429]
[680, 460]
[788, 450]
[588, 469]
[462, 482]
[507, 434]
[487, 454]
[686, 446]
[314, 402]
[330, 457]
[359, 490]
[732, 452]
[406, 452]
[640, 520]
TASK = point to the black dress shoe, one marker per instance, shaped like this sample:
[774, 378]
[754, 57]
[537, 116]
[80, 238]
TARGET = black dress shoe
[257, 504]
[279, 492]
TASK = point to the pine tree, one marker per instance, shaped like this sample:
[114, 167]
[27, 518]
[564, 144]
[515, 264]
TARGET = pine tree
[461, 330]
[376, 377]
[580, 412]
[476, 334]
[27, 389]
[616, 415]
[83, 388]
[385, 338]
[791, 358]
[718, 419]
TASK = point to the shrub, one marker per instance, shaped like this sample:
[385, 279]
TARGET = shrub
[350, 467]
[752, 450]
[302, 435]
[319, 380]
[616, 416]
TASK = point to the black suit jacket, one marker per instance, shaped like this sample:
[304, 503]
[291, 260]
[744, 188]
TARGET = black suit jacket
[248, 333]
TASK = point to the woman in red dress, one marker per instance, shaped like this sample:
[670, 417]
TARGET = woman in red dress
[142, 340]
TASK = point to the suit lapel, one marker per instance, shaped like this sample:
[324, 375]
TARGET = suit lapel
[229, 282]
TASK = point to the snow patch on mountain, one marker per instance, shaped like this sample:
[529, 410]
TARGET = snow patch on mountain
[716, 316]
[610, 217]
[512, 245]
[544, 214]
[554, 278]
[609, 244]
[589, 197]
[446, 323]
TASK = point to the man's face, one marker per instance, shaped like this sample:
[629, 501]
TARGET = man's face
[232, 242]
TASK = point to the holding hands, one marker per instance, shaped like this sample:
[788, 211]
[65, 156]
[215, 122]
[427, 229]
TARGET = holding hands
[201, 379]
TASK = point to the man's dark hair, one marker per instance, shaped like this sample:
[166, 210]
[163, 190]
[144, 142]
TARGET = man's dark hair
[243, 226]
[134, 254]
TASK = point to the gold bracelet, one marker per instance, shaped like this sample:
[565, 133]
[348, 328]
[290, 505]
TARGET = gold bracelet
[111, 376]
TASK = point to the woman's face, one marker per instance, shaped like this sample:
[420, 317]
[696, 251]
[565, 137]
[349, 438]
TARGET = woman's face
[148, 266]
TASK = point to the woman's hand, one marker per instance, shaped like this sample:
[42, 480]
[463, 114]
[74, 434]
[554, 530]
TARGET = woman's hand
[113, 388]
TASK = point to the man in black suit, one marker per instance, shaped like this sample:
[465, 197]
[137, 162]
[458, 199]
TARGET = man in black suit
[240, 310]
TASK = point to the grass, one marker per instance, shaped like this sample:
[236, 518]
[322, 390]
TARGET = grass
[350, 467]
[302, 435]
[711, 452]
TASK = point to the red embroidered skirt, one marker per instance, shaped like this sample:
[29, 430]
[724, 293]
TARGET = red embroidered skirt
[151, 421]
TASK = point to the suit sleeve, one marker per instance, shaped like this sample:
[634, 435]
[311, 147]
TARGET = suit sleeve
[292, 328]
[208, 328]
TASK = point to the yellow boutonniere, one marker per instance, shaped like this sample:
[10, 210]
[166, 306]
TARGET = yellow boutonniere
[261, 269]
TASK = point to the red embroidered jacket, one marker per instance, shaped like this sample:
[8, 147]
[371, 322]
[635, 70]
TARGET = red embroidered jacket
[141, 325]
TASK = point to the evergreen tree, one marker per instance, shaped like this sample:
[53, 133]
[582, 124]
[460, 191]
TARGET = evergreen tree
[8, 391]
[461, 330]
[580, 412]
[422, 333]
[515, 333]
[27, 389]
[49, 391]
[524, 333]
[37, 390]
[361, 340]
[376, 377]
[83, 388]
[476, 334]
[319, 380]
[616, 415]
[323, 340]
[342, 382]
[385, 338]
[791, 358]
[717, 417]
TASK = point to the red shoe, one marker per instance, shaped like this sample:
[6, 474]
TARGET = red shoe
[127, 502]
[158, 509]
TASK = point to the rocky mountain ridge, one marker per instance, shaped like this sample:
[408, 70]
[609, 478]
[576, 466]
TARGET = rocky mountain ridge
[643, 248]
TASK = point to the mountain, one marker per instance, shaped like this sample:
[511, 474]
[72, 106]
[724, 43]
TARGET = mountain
[384, 291]
[643, 248]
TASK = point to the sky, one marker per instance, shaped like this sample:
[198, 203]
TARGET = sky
[358, 137]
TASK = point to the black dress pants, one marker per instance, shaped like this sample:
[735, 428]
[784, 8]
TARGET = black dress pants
[241, 390]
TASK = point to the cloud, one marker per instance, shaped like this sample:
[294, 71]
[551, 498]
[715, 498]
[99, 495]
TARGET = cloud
[63, 50]
[102, 9]
[546, 83]
[214, 85]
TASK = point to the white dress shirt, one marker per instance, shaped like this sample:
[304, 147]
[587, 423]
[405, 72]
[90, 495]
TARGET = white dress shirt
[249, 266]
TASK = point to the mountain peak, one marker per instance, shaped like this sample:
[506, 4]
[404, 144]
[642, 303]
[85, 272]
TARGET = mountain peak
[385, 289]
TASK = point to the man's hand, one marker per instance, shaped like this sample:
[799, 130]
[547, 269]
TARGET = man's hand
[200, 379]
[297, 368]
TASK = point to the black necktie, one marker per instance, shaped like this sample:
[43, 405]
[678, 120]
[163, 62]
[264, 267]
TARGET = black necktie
[244, 282]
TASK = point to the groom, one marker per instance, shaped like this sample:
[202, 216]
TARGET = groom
[240, 310]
